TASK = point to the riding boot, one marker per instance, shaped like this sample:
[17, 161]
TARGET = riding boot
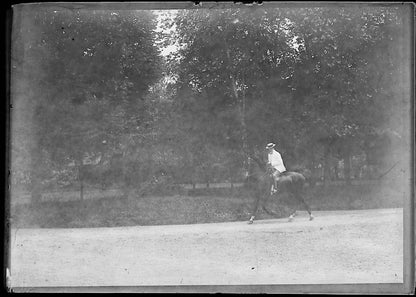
[276, 183]
[275, 187]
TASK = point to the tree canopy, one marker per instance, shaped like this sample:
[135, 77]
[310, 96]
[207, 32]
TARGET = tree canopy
[326, 83]
[319, 81]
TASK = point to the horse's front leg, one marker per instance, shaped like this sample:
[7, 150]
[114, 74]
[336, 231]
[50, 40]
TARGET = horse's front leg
[266, 203]
[256, 206]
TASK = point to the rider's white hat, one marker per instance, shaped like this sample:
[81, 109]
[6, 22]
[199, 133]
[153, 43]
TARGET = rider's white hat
[270, 145]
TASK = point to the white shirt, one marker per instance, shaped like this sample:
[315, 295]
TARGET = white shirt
[276, 160]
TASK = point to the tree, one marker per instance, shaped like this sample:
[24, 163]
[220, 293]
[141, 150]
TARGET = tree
[220, 71]
[295, 75]
[88, 73]
[336, 55]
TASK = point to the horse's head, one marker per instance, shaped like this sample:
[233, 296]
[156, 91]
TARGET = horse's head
[258, 167]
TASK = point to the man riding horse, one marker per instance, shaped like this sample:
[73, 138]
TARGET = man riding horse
[276, 164]
[271, 176]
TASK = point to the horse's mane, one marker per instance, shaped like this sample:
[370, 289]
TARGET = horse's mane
[259, 162]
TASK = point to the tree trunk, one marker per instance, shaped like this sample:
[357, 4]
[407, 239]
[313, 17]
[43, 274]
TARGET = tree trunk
[336, 173]
[81, 190]
[81, 182]
[242, 108]
[327, 166]
[347, 167]
[127, 190]
[81, 176]
[314, 174]
[244, 130]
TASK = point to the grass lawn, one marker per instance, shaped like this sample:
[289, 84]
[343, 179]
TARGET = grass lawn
[181, 209]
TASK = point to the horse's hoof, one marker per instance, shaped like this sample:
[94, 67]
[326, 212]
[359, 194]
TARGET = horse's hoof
[290, 218]
[311, 217]
[250, 222]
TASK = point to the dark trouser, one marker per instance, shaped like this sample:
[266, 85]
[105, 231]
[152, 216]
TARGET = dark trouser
[276, 176]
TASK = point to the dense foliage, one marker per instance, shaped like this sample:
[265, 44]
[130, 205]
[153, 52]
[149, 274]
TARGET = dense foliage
[79, 91]
[95, 102]
[321, 82]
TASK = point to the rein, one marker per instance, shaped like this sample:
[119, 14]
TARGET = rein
[260, 165]
[263, 175]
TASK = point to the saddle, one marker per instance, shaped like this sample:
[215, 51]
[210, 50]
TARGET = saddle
[272, 170]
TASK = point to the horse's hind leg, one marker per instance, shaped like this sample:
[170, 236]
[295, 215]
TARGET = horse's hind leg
[268, 211]
[306, 206]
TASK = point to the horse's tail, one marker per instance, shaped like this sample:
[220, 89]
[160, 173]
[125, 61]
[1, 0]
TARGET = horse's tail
[299, 180]
[309, 178]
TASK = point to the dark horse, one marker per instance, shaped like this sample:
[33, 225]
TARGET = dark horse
[260, 182]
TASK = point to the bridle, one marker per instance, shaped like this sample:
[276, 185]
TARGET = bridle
[268, 172]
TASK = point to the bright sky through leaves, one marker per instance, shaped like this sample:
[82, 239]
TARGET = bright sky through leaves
[162, 15]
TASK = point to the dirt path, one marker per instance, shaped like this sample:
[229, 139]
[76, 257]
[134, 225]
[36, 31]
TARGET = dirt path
[337, 247]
